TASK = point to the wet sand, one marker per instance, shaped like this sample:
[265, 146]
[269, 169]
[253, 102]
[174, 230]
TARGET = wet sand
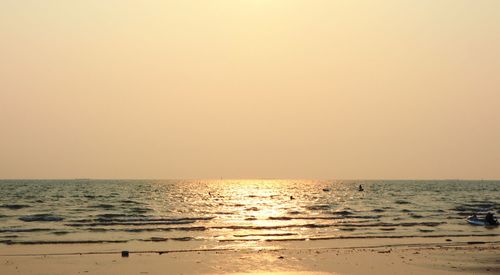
[431, 258]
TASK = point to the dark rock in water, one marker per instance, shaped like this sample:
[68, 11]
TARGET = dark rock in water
[125, 253]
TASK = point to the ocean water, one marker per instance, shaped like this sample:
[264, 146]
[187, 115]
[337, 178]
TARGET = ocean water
[220, 213]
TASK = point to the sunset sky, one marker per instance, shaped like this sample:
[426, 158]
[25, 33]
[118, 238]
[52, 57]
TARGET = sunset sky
[250, 89]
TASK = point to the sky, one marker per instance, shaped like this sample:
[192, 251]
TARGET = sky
[250, 89]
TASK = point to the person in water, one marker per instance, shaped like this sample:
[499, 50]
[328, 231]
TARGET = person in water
[490, 219]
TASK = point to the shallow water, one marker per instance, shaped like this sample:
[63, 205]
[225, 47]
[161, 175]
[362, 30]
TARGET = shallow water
[224, 212]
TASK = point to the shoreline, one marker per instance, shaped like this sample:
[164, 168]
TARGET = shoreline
[456, 257]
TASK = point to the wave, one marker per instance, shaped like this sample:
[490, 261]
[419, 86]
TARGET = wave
[41, 218]
[102, 206]
[265, 235]
[14, 206]
[325, 238]
[11, 242]
[128, 223]
[286, 218]
[117, 215]
[317, 207]
[160, 239]
[110, 220]
[270, 227]
[150, 229]
[481, 207]
[20, 230]
[130, 202]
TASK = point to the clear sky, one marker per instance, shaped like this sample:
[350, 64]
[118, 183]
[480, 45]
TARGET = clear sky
[250, 89]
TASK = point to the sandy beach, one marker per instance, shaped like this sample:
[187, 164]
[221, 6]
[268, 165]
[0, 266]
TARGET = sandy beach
[464, 256]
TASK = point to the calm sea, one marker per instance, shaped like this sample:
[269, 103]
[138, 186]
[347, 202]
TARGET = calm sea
[223, 212]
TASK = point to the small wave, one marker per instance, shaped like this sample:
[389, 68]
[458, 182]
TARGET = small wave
[20, 230]
[10, 242]
[342, 213]
[317, 207]
[402, 236]
[157, 239]
[476, 207]
[128, 223]
[41, 218]
[150, 229]
[130, 202]
[294, 212]
[117, 215]
[286, 240]
[287, 218]
[387, 229]
[14, 206]
[140, 210]
[60, 232]
[182, 239]
[150, 219]
[265, 235]
[378, 210]
[102, 206]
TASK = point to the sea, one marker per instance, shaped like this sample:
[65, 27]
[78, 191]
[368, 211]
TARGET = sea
[249, 213]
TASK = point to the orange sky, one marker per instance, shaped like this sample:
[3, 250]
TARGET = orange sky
[250, 89]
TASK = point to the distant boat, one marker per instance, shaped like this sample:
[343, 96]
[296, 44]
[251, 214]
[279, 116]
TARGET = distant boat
[327, 189]
[361, 188]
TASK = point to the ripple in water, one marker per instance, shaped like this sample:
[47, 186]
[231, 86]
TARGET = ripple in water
[253, 211]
